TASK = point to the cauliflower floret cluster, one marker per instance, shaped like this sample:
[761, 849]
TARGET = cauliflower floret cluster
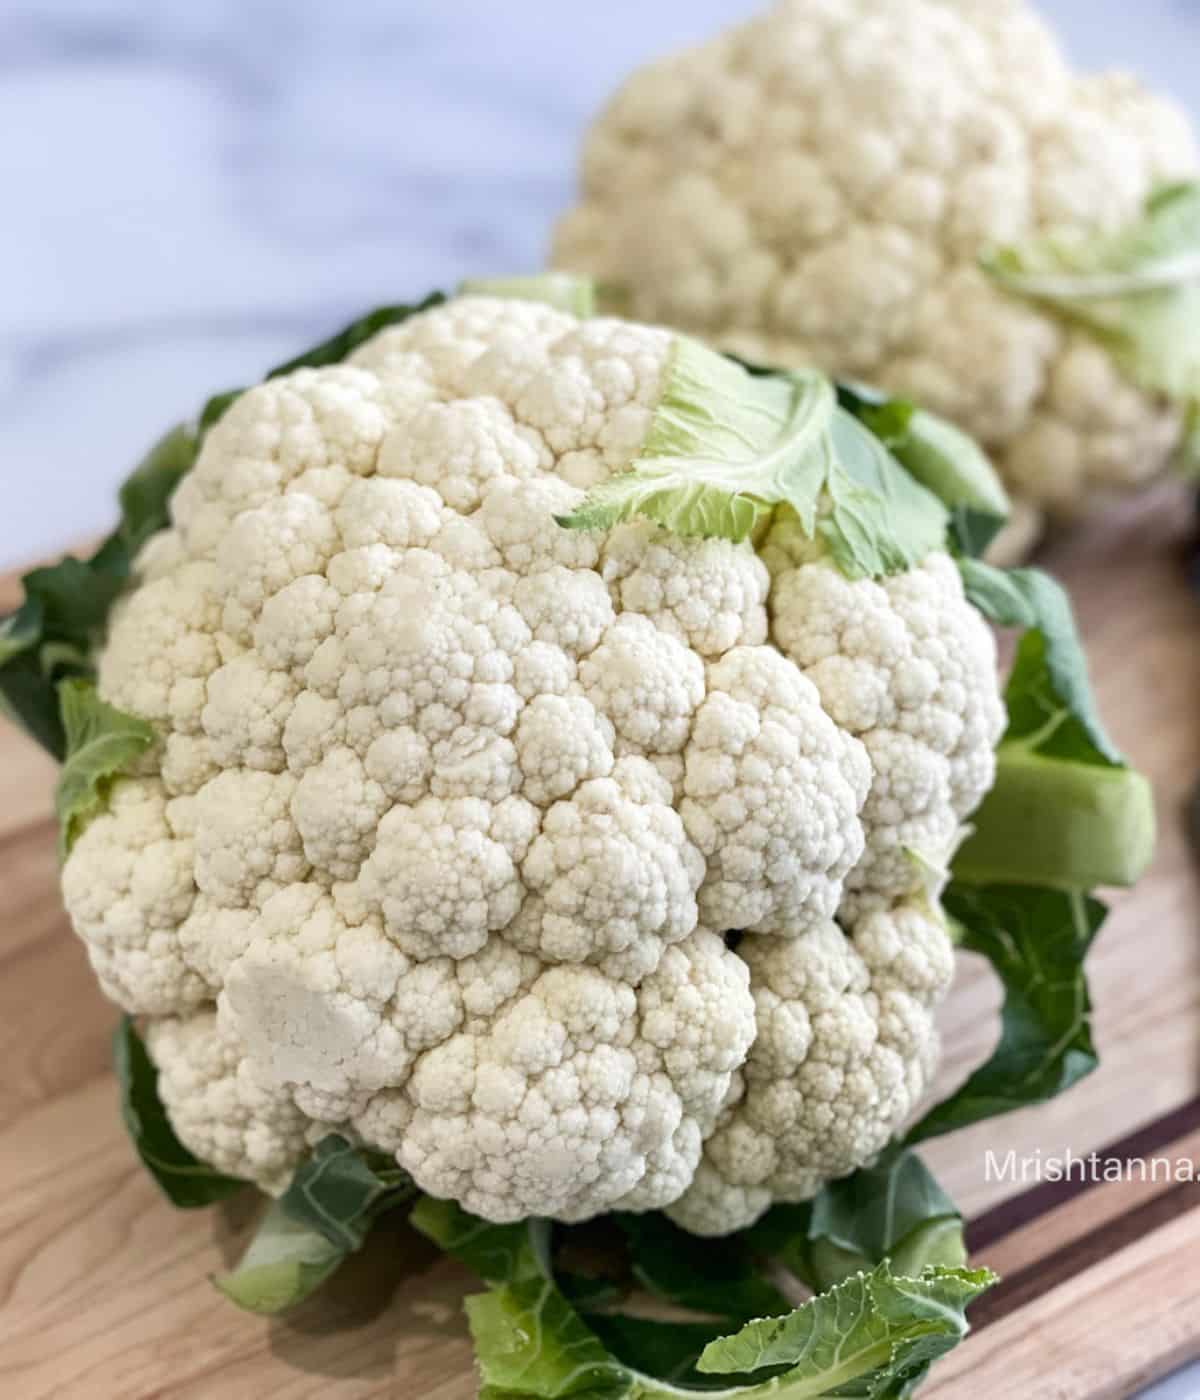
[454, 810]
[816, 187]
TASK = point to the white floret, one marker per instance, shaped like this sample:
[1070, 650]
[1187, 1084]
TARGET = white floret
[519, 517]
[441, 879]
[219, 1107]
[457, 448]
[331, 1011]
[710, 594]
[268, 548]
[570, 608]
[612, 875]
[246, 841]
[908, 667]
[337, 809]
[845, 1046]
[163, 644]
[772, 794]
[128, 887]
[273, 434]
[568, 1104]
[561, 742]
[646, 682]
[249, 704]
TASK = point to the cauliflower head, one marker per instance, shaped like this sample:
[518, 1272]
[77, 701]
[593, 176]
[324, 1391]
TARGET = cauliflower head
[453, 811]
[818, 185]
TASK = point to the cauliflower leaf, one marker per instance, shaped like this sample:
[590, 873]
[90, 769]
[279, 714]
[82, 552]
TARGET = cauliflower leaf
[52, 636]
[101, 744]
[533, 1340]
[325, 1215]
[1136, 292]
[941, 457]
[726, 446]
[497, 1253]
[1048, 694]
[876, 1332]
[1036, 940]
[1065, 810]
[718, 1276]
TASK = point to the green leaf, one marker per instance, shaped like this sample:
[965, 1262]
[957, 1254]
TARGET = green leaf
[529, 1341]
[101, 745]
[186, 1182]
[892, 1210]
[146, 494]
[341, 1190]
[27, 695]
[875, 1211]
[497, 1253]
[326, 1213]
[215, 408]
[870, 1336]
[881, 521]
[75, 599]
[53, 634]
[1060, 823]
[1036, 941]
[1136, 291]
[939, 456]
[887, 417]
[716, 1276]
[667, 1351]
[286, 1262]
[562, 290]
[1064, 810]
[726, 446]
[1049, 696]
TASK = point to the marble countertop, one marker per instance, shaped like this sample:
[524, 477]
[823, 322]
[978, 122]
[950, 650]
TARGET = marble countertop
[191, 191]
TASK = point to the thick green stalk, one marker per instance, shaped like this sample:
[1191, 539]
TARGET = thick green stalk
[1050, 821]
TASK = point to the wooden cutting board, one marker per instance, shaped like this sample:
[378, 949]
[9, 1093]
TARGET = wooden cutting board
[103, 1291]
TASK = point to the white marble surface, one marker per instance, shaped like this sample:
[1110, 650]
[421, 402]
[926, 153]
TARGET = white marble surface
[190, 191]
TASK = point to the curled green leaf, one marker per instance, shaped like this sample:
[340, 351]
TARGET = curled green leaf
[286, 1262]
[1036, 940]
[497, 1253]
[329, 1208]
[102, 744]
[726, 446]
[1065, 810]
[875, 1334]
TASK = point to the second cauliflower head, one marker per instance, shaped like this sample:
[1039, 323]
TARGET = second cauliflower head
[454, 809]
[818, 185]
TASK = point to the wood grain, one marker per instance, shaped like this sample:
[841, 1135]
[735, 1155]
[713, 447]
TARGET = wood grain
[103, 1288]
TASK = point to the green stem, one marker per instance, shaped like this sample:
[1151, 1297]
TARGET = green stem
[1050, 821]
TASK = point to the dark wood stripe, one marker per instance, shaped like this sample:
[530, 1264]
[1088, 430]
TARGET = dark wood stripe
[1046, 1196]
[1037, 1279]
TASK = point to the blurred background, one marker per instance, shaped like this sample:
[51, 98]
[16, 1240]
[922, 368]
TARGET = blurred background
[191, 192]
